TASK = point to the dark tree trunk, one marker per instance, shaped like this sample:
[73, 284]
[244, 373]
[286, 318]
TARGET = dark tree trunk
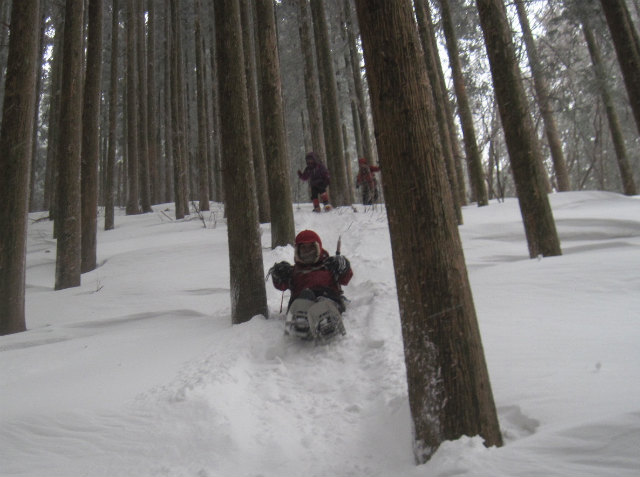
[449, 389]
[153, 141]
[626, 173]
[91, 137]
[368, 148]
[33, 206]
[177, 123]
[113, 115]
[312, 87]
[203, 163]
[524, 150]
[427, 34]
[542, 94]
[282, 225]
[627, 44]
[329, 94]
[15, 159]
[476, 172]
[141, 106]
[133, 195]
[68, 210]
[248, 293]
[257, 145]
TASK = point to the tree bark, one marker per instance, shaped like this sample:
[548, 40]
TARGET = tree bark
[282, 224]
[141, 107]
[153, 141]
[476, 172]
[624, 166]
[312, 87]
[627, 45]
[449, 390]
[542, 94]
[68, 210]
[15, 160]
[133, 194]
[524, 150]
[248, 293]
[331, 119]
[91, 137]
[427, 34]
[255, 124]
[203, 155]
[109, 202]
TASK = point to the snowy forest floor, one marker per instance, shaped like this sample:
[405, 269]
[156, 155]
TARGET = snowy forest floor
[139, 372]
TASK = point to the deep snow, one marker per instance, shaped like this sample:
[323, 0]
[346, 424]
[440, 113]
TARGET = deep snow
[139, 372]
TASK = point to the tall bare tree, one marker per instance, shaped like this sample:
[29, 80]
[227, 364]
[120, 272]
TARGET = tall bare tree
[602, 81]
[109, 202]
[331, 113]
[257, 144]
[427, 37]
[627, 44]
[141, 108]
[282, 225]
[474, 161]
[15, 159]
[522, 143]
[133, 169]
[449, 390]
[91, 137]
[68, 208]
[544, 103]
[312, 88]
[248, 293]
[203, 154]
[152, 106]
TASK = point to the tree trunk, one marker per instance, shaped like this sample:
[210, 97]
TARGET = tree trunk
[33, 206]
[542, 94]
[626, 173]
[203, 163]
[282, 225]
[91, 137]
[449, 390]
[312, 87]
[248, 293]
[113, 115]
[177, 124]
[257, 145]
[524, 150]
[476, 173]
[329, 94]
[153, 141]
[68, 210]
[365, 133]
[15, 159]
[141, 106]
[133, 195]
[627, 44]
[427, 34]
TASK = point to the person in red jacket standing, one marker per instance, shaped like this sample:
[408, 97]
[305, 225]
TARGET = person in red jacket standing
[367, 180]
[319, 179]
[315, 281]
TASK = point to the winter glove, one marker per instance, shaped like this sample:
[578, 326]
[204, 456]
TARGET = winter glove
[281, 274]
[337, 265]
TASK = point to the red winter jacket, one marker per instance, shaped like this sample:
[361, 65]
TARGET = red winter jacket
[315, 277]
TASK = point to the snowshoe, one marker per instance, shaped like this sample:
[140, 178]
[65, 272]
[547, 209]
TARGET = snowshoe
[312, 319]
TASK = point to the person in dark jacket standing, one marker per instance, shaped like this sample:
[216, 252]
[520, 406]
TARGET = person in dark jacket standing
[315, 281]
[319, 179]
